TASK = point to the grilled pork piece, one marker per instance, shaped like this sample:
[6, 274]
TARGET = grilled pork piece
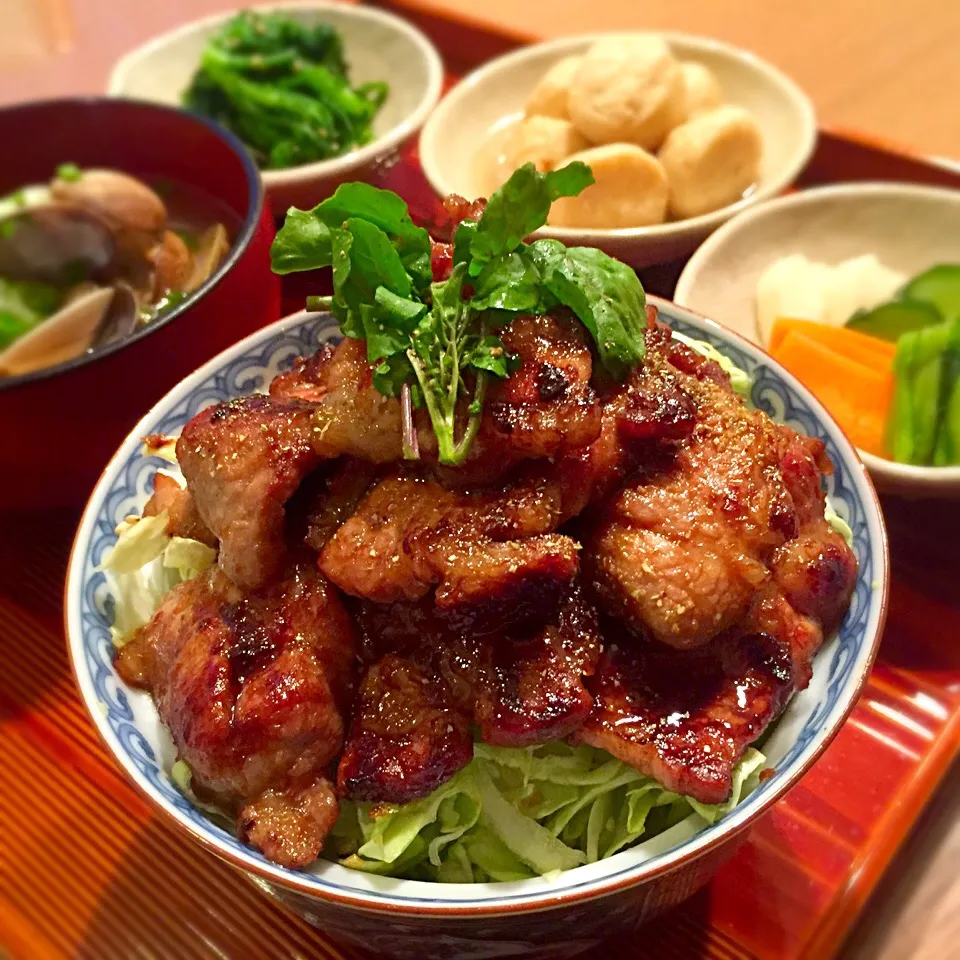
[686, 717]
[242, 461]
[406, 737]
[491, 554]
[546, 408]
[289, 826]
[716, 558]
[411, 725]
[253, 689]
[683, 548]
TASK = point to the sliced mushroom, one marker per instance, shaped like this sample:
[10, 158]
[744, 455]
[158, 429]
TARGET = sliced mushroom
[129, 207]
[212, 247]
[172, 264]
[68, 333]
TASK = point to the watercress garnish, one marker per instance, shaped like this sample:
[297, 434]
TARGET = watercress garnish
[435, 345]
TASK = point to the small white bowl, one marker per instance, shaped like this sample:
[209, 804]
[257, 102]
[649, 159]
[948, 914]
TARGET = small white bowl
[496, 92]
[908, 227]
[377, 45]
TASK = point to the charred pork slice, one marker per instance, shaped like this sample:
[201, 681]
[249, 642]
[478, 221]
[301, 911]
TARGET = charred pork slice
[242, 461]
[531, 689]
[253, 689]
[686, 718]
[490, 553]
[544, 409]
[406, 737]
[681, 551]
[411, 726]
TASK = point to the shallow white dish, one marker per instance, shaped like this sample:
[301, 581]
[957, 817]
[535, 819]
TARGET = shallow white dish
[559, 915]
[908, 227]
[377, 46]
[497, 91]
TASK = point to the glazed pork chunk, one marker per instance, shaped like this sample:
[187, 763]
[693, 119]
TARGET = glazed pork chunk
[718, 576]
[253, 688]
[546, 408]
[491, 555]
[428, 684]
[684, 546]
[686, 717]
[243, 461]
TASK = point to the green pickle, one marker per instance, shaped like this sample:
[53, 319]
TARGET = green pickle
[900, 421]
[895, 319]
[947, 450]
[939, 286]
[925, 379]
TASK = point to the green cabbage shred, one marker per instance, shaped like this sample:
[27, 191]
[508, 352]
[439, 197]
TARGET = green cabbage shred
[514, 813]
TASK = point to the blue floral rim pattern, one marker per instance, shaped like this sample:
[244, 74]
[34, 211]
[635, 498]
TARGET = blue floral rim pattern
[248, 367]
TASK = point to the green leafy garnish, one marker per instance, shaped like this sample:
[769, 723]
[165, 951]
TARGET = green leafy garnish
[69, 172]
[436, 344]
[604, 293]
[282, 86]
[23, 305]
[519, 207]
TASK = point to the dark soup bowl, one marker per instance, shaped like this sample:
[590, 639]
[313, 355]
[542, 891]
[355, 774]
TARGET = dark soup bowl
[61, 422]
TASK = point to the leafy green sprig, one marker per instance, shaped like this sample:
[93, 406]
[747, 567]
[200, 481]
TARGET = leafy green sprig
[435, 344]
[282, 86]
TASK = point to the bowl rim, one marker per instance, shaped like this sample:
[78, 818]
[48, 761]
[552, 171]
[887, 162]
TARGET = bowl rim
[901, 473]
[307, 172]
[774, 76]
[238, 246]
[536, 900]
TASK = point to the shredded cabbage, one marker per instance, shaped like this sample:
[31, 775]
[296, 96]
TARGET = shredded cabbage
[837, 522]
[515, 813]
[144, 565]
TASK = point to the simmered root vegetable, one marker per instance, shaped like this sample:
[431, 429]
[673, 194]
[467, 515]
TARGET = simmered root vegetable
[626, 97]
[546, 142]
[629, 190]
[701, 90]
[549, 96]
[627, 89]
[711, 160]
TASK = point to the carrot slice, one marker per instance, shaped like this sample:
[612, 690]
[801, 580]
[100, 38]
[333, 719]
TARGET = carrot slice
[861, 347]
[857, 395]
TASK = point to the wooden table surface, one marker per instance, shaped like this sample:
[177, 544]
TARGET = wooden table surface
[884, 67]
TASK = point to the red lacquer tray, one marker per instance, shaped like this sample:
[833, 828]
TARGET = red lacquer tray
[87, 870]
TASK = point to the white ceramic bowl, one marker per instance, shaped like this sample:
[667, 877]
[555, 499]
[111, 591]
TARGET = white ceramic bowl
[552, 916]
[908, 227]
[497, 91]
[377, 45]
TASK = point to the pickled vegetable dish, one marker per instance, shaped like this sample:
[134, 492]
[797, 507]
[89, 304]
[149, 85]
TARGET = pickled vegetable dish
[891, 374]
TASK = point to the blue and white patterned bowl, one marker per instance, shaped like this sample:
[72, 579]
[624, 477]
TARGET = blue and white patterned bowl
[556, 916]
